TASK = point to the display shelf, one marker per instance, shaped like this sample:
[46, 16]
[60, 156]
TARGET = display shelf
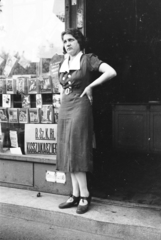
[6, 154]
[18, 102]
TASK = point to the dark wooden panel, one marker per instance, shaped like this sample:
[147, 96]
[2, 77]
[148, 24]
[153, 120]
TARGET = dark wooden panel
[16, 172]
[155, 108]
[130, 128]
[43, 185]
[131, 131]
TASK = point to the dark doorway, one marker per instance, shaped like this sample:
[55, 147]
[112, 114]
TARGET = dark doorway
[127, 35]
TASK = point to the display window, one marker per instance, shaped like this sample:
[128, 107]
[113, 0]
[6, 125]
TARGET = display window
[30, 53]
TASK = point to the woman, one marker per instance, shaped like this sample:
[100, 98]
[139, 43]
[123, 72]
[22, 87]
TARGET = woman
[75, 124]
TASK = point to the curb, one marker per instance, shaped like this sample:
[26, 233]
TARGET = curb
[81, 223]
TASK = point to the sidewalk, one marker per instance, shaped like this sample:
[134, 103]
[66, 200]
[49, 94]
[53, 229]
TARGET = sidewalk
[105, 218]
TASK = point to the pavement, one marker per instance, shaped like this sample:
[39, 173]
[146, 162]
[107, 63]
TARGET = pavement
[12, 228]
[106, 219]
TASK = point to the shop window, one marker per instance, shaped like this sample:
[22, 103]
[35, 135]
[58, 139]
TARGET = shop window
[28, 87]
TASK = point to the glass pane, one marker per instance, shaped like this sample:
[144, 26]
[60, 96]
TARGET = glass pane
[30, 35]
[32, 28]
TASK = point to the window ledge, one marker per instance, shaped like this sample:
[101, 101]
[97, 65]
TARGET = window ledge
[29, 158]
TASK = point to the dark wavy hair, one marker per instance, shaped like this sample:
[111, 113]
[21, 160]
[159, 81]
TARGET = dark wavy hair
[77, 34]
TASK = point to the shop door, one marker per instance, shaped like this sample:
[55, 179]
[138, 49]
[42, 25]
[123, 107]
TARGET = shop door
[126, 35]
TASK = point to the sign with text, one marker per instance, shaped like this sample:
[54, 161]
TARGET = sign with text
[41, 139]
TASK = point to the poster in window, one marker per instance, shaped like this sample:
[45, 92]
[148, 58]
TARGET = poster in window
[47, 114]
[56, 100]
[26, 102]
[56, 113]
[55, 84]
[23, 115]
[6, 100]
[2, 85]
[10, 85]
[39, 100]
[21, 85]
[3, 115]
[45, 84]
[32, 85]
[34, 115]
[54, 68]
[13, 115]
[11, 61]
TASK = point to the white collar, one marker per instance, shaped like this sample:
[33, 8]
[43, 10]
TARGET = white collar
[75, 64]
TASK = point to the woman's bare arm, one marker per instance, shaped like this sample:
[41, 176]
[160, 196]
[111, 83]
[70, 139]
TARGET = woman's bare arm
[107, 73]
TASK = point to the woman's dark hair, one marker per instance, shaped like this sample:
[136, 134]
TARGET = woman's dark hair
[77, 34]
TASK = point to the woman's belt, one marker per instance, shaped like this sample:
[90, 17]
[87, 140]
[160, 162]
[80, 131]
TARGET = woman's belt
[69, 90]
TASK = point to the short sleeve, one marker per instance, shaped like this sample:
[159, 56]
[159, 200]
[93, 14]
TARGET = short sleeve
[94, 62]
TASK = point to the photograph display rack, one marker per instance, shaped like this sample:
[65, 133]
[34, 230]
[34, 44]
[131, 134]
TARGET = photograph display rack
[27, 99]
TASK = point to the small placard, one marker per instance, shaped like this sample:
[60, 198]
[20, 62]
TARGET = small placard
[14, 139]
[58, 177]
[50, 176]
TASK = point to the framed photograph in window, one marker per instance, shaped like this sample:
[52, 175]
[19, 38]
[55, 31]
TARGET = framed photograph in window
[13, 115]
[10, 86]
[45, 84]
[34, 115]
[23, 115]
[3, 115]
[26, 102]
[6, 100]
[32, 85]
[47, 114]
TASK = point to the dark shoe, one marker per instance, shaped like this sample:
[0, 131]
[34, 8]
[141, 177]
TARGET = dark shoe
[71, 202]
[84, 208]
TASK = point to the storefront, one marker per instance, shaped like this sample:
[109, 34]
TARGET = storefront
[30, 53]
[125, 34]
[31, 49]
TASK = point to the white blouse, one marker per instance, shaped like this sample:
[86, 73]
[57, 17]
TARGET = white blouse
[74, 65]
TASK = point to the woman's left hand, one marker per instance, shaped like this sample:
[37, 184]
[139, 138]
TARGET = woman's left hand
[88, 92]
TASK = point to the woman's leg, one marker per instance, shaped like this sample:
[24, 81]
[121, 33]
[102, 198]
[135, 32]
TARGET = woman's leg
[75, 185]
[73, 200]
[82, 183]
[85, 197]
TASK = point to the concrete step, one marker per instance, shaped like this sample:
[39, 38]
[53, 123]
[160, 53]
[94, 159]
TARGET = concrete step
[106, 219]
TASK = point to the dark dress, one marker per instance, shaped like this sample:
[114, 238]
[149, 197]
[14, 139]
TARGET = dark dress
[75, 121]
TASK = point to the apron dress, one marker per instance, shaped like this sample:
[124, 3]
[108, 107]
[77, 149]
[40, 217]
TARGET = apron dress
[75, 120]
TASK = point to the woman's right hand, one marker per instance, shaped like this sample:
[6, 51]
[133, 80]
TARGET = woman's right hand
[88, 92]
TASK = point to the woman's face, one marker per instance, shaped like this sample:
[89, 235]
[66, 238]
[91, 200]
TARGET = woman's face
[71, 45]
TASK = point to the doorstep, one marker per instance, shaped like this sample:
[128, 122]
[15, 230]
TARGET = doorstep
[112, 219]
